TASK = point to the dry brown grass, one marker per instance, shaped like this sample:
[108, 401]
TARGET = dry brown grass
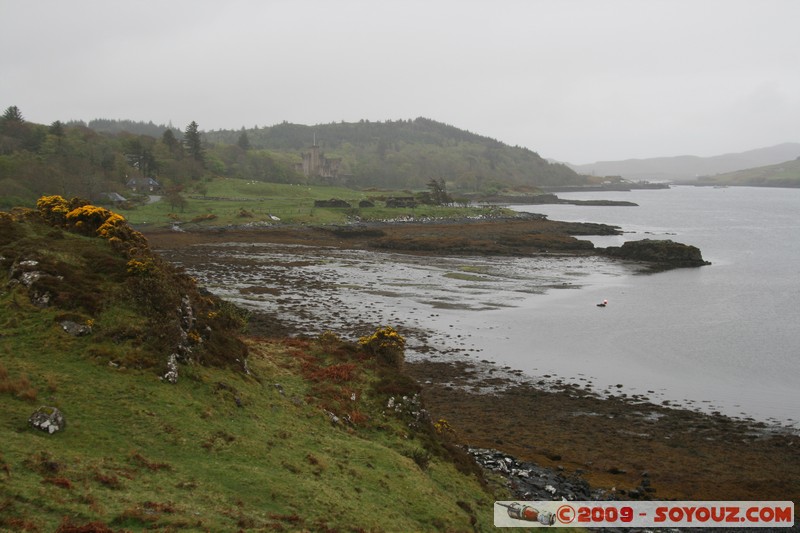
[19, 387]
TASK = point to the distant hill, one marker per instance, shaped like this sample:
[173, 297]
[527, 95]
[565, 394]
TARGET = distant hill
[408, 153]
[688, 167]
[786, 174]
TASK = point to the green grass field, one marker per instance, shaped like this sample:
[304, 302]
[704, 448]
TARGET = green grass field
[240, 202]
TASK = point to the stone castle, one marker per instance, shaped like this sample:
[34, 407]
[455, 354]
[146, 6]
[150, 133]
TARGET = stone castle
[316, 165]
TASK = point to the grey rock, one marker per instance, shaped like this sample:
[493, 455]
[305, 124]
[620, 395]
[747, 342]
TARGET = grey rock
[172, 369]
[75, 329]
[48, 419]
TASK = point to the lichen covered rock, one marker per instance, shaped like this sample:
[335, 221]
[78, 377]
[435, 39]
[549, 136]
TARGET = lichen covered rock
[48, 419]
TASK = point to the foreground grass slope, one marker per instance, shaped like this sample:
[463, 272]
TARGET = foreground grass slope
[315, 434]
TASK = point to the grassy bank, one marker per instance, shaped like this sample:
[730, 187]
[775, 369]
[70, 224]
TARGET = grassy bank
[318, 434]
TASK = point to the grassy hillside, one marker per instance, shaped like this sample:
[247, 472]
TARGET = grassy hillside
[316, 434]
[785, 174]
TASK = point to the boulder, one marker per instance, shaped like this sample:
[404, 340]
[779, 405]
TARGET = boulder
[661, 254]
[75, 329]
[48, 419]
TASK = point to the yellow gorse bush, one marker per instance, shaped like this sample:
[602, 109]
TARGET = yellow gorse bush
[143, 267]
[87, 219]
[386, 344]
[53, 209]
[81, 217]
[384, 338]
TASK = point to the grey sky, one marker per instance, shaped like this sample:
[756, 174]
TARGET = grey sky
[574, 80]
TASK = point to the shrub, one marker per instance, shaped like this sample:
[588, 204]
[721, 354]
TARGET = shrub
[53, 209]
[86, 219]
[329, 341]
[81, 217]
[387, 345]
[145, 267]
[421, 457]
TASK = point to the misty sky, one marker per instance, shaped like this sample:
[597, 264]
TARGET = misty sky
[574, 80]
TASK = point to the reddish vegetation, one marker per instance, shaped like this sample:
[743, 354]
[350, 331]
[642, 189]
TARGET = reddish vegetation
[336, 373]
[67, 526]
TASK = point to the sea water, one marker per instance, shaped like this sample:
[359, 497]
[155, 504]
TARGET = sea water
[727, 334]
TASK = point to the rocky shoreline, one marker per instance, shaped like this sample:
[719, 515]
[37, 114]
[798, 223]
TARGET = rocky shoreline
[561, 435]
[511, 236]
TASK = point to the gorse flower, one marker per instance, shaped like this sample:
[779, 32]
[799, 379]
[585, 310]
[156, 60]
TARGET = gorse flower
[143, 268]
[386, 344]
[53, 209]
[81, 217]
[384, 338]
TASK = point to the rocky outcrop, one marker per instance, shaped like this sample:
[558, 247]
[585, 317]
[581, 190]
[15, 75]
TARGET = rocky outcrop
[28, 274]
[529, 481]
[183, 350]
[661, 255]
[48, 419]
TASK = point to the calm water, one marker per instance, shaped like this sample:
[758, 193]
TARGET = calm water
[726, 334]
[723, 337]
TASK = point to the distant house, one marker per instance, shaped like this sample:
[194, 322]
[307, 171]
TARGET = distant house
[143, 185]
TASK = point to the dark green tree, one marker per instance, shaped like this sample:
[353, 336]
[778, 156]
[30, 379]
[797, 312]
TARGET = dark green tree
[12, 115]
[57, 129]
[16, 133]
[194, 143]
[438, 192]
[243, 142]
[171, 142]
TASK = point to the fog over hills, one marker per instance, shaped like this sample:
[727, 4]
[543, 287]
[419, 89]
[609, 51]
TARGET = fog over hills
[689, 167]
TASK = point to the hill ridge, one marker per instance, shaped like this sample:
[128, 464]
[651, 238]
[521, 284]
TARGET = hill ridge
[690, 167]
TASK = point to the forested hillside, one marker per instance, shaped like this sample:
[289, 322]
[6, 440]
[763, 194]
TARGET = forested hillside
[102, 156]
[408, 153]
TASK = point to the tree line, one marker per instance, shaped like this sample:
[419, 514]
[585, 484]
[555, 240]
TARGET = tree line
[72, 159]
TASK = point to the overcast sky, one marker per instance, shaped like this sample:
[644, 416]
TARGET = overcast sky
[574, 80]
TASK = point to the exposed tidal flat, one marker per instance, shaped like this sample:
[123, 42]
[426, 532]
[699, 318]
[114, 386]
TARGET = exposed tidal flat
[454, 310]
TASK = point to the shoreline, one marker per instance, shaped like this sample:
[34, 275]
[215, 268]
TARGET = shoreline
[608, 441]
[613, 443]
